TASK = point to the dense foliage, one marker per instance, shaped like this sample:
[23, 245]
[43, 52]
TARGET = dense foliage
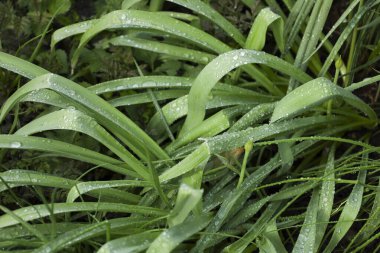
[189, 126]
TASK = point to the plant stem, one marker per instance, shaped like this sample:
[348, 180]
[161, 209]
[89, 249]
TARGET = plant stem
[248, 148]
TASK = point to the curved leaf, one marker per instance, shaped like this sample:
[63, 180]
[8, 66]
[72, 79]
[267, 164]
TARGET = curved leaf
[71, 119]
[71, 30]
[205, 10]
[137, 19]
[187, 199]
[257, 34]
[315, 93]
[102, 111]
[218, 68]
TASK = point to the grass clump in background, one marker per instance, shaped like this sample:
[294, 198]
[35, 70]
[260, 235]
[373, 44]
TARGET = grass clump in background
[189, 126]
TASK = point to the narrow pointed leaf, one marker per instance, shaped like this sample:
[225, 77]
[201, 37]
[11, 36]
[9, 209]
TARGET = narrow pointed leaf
[20, 66]
[39, 211]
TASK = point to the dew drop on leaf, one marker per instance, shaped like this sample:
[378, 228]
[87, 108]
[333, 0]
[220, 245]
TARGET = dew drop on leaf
[16, 144]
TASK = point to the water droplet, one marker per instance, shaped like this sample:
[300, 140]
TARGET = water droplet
[71, 92]
[16, 144]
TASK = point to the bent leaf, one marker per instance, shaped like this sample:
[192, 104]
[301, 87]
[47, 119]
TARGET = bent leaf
[137, 19]
[314, 93]
[71, 119]
[218, 68]
[266, 19]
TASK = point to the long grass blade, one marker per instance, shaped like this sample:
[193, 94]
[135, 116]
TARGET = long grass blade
[64, 149]
[39, 211]
[86, 232]
[349, 213]
[20, 66]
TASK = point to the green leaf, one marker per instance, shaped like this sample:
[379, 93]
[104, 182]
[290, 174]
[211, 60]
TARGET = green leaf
[214, 125]
[193, 160]
[238, 196]
[172, 237]
[89, 231]
[15, 178]
[171, 51]
[363, 83]
[21, 67]
[71, 119]
[254, 116]
[103, 112]
[314, 93]
[70, 30]
[326, 198]
[102, 186]
[205, 10]
[218, 68]
[311, 36]
[39, 211]
[345, 33]
[59, 6]
[129, 244]
[187, 199]
[128, 4]
[349, 213]
[64, 149]
[266, 19]
[230, 141]
[142, 82]
[137, 19]
[271, 241]
[306, 238]
[373, 221]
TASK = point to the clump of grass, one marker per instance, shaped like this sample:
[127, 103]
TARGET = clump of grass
[254, 144]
